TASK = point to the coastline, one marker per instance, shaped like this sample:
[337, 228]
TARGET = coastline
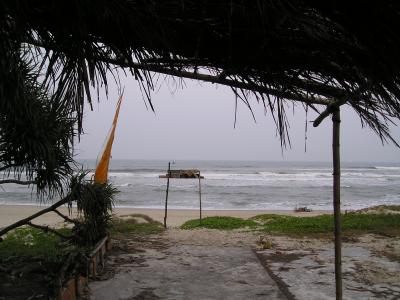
[175, 217]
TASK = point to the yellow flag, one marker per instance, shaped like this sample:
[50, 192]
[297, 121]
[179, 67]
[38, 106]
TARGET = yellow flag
[101, 173]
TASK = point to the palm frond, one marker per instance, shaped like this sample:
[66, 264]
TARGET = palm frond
[293, 50]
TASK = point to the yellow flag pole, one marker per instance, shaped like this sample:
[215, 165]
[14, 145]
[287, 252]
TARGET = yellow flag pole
[101, 173]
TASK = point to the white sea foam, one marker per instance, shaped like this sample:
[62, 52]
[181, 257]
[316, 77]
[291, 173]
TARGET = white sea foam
[131, 174]
[123, 184]
[387, 168]
[230, 185]
[392, 197]
[256, 179]
[265, 176]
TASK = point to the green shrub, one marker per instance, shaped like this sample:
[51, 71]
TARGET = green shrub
[31, 242]
[323, 224]
[94, 203]
[132, 226]
[353, 222]
[223, 223]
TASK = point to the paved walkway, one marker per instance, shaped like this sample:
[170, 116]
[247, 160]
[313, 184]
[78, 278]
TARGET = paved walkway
[182, 271]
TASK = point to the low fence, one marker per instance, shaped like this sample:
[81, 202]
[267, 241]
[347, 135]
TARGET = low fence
[73, 288]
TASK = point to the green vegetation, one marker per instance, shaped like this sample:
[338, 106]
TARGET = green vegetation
[382, 208]
[30, 260]
[352, 223]
[222, 223]
[136, 224]
[392, 207]
[295, 225]
[28, 242]
[94, 203]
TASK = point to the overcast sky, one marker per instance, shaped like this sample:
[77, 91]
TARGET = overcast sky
[197, 122]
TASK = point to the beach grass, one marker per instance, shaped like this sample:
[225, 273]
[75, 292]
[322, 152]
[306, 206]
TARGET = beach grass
[221, 223]
[386, 224]
[136, 224]
[383, 208]
[28, 242]
[392, 207]
[352, 223]
[30, 260]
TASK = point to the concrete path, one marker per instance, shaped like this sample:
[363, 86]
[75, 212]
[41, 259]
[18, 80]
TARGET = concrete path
[187, 272]
[310, 272]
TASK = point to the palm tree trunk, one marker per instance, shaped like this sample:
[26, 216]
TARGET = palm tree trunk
[336, 201]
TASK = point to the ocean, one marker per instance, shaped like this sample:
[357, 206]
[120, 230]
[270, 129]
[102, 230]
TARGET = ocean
[244, 185]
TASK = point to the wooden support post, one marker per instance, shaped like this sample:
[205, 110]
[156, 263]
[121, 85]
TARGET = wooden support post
[200, 194]
[166, 195]
[336, 201]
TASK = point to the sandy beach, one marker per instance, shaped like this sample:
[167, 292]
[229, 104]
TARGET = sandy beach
[175, 217]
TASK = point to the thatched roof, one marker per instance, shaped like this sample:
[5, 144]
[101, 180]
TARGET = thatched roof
[315, 52]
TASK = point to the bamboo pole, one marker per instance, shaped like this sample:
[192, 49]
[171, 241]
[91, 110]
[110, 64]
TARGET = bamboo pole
[166, 195]
[336, 201]
[200, 194]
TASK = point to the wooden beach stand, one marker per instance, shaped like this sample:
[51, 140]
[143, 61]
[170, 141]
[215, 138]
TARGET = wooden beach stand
[181, 174]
